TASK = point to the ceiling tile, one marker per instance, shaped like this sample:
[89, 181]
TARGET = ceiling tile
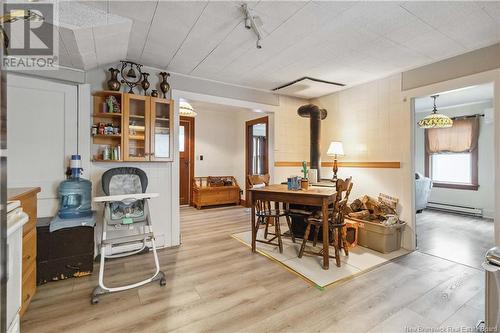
[170, 26]
[216, 23]
[464, 22]
[240, 40]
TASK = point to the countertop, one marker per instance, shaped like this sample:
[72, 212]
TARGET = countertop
[18, 193]
[17, 218]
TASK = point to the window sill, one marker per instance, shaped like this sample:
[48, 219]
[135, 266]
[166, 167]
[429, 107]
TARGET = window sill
[470, 187]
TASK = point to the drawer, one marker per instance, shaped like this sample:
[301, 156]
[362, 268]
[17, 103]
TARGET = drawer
[29, 250]
[28, 289]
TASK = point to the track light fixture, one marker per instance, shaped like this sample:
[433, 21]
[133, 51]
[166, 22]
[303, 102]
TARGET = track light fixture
[250, 24]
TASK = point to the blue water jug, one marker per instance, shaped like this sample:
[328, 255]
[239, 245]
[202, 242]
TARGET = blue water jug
[75, 193]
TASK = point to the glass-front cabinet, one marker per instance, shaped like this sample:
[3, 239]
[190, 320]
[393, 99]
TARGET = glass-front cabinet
[161, 125]
[143, 128]
[136, 139]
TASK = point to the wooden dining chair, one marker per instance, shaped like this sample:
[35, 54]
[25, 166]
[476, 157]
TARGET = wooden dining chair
[267, 215]
[335, 223]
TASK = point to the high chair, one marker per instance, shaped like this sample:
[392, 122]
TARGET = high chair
[126, 208]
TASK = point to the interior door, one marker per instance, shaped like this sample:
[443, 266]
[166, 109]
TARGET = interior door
[186, 158]
[257, 141]
[42, 135]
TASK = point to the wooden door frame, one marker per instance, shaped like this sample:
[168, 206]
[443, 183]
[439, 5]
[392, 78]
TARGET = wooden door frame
[191, 156]
[248, 124]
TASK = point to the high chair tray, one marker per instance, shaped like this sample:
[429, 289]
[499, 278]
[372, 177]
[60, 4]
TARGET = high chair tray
[122, 197]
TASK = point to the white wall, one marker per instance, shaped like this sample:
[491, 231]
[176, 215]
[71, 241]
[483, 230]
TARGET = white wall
[373, 122]
[292, 137]
[220, 138]
[484, 197]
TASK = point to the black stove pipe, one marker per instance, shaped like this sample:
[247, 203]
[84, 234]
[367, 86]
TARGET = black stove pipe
[315, 114]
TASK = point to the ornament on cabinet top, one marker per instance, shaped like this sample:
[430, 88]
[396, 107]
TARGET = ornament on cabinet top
[164, 85]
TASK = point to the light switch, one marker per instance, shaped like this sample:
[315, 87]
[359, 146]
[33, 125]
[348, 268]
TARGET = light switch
[201, 157]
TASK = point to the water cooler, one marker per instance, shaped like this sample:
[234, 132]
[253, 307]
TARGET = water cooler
[75, 193]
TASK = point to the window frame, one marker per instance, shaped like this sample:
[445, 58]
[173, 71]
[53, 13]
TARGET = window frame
[474, 186]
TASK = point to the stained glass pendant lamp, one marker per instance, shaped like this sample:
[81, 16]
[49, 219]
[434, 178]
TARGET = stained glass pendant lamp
[186, 110]
[435, 119]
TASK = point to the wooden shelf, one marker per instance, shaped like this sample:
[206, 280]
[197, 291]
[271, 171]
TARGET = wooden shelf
[106, 115]
[105, 161]
[162, 119]
[107, 136]
[137, 128]
[135, 116]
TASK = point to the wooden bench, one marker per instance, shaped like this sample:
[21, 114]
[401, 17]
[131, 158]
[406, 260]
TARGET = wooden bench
[212, 191]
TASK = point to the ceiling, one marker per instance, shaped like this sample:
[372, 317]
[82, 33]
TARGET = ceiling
[345, 42]
[459, 97]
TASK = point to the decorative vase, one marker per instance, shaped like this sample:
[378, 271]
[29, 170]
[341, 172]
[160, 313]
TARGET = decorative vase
[145, 83]
[164, 85]
[113, 83]
[304, 184]
[154, 93]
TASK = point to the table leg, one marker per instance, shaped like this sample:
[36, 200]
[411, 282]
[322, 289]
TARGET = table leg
[326, 242]
[252, 203]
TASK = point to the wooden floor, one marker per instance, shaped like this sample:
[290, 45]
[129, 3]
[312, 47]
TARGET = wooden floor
[215, 284]
[459, 238]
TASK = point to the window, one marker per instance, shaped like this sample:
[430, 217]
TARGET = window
[451, 154]
[451, 168]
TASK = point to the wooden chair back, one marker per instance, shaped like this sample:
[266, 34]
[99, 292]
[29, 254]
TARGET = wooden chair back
[260, 206]
[258, 179]
[344, 188]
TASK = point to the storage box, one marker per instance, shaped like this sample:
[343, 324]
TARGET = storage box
[63, 253]
[379, 237]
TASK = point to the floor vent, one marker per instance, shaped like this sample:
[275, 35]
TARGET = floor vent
[456, 209]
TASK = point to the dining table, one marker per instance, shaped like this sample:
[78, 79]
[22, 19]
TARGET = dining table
[318, 196]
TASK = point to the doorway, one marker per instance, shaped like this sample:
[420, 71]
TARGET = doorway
[256, 150]
[454, 169]
[186, 159]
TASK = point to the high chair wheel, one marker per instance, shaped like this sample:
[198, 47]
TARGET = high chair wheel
[94, 300]
[163, 282]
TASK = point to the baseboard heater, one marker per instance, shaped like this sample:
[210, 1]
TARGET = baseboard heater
[456, 209]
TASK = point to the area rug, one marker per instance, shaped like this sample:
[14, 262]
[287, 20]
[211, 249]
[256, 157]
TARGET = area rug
[309, 267]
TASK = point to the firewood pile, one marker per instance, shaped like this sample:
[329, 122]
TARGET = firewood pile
[378, 209]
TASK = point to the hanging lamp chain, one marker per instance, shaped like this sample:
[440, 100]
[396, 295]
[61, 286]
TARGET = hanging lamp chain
[434, 109]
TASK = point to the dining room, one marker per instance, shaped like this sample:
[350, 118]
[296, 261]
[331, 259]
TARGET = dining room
[311, 224]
